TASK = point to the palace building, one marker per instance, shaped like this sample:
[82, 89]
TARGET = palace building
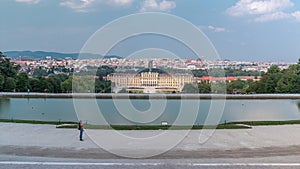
[150, 82]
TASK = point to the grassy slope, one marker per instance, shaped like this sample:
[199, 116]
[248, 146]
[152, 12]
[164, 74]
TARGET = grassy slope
[231, 125]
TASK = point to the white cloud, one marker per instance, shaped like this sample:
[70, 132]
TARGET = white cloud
[272, 17]
[120, 2]
[90, 5]
[296, 15]
[213, 28]
[255, 7]
[216, 29]
[154, 5]
[79, 6]
[264, 10]
[28, 1]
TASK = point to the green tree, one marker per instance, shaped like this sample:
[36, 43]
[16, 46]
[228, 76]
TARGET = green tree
[66, 86]
[290, 80]
[22, 82]
[7, 69]
[190, 88]
[39, 85]
[219, 87]
[55, 84]
[2, 81]
[204, 87]
[269, 80]
[102, 86]
[237, 85]
[10, 85]
[40, 72]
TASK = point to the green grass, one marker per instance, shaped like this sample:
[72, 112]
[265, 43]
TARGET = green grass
[158, 127]
[230, 125]
[267, 123]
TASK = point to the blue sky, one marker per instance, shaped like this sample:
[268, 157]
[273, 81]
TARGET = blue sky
[250, 30]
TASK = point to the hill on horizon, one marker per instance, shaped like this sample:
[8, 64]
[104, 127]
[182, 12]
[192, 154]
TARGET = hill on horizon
[54, 55]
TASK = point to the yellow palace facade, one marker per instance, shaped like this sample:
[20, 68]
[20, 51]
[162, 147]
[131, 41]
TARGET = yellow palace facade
[150, 80]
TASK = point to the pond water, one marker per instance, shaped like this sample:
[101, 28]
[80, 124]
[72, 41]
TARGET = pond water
[148, 112]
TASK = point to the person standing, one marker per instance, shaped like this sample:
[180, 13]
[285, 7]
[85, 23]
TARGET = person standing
[80, 128]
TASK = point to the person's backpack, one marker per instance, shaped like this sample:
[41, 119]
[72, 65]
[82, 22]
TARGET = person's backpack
[79, 126]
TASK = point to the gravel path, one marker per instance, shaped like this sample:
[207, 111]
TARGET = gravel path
[46, 140]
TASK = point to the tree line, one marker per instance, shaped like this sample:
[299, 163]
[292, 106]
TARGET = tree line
[11, 80]
[273, 81]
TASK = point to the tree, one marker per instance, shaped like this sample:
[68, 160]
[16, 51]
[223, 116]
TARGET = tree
[22, 82]
[269, 80]
[2, 81]
[204, 87]
[219, 87]
[6, 68]
[38, 85]
[287, 84]
[55, 84]
[237, 85]
[190, 88]
[39, 72]
[10, 85]
[290, 80]
[102, 86]
[66, 86]
[83, 84]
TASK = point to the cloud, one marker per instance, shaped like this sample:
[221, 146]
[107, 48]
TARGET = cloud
[79, 6]
[154, 5]
[216, 29]
[272, 17]
[120, 2]
[296, 15]
[28, 1]
[90, 5]
[254, 7]
[263, 10]
[213, 28]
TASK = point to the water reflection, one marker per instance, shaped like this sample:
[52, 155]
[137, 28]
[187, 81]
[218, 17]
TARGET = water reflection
[4, 107]
[63, 110]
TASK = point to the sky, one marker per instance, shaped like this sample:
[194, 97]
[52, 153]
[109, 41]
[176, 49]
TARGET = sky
[245, 30]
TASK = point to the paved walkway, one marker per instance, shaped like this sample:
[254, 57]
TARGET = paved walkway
[46, 140]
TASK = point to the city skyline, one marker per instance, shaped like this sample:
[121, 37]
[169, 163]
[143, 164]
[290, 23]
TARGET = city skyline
[243, 30]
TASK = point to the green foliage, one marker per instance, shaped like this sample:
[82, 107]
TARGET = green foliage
[204, 87]
[219, 87]
[224, 72]
[237, 85]
[66, 86]
[6, 68]
[199, 73]
[83, 84]
[2, 81]
[190, 88]
[8, 73]
[104, 71]
[9, 85]
[40, 72]
[102, 86]
[22, 82]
